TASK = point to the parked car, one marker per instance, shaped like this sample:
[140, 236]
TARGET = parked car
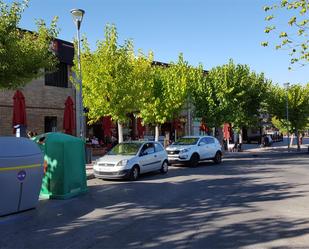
[192, 149]
[130, 159]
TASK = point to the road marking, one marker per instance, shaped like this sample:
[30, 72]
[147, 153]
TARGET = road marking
[21, 167]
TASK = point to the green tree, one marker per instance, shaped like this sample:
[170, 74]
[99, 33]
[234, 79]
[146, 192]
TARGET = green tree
[23, 54]
[294, 35]
[168, 93]
[230, 93]
[298, 107]
[115, 81]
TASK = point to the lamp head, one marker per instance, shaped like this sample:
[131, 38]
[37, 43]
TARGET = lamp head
[77, 15]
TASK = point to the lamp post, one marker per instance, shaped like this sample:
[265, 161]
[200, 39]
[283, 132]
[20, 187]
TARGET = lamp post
[286, 85]
[78, 15]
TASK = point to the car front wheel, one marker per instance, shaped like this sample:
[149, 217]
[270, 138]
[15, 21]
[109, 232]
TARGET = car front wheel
[134, 173]
[164, 167]
[194, 160]
[218, 158]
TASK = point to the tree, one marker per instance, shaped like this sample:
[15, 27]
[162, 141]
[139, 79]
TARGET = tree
[23, 54]
[230, 93]
[168, 93]
[298, 107]
[294, 36]
[115, 81]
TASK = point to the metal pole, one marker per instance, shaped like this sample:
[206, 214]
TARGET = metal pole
[287, 114]
[81, 108]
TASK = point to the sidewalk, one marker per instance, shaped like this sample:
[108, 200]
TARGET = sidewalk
[89, 168]
[276, 148]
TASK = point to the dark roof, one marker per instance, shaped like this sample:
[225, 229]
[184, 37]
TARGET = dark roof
[163, 64]
[64, 51]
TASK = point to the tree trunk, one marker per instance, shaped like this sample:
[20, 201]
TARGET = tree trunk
[157, 132]
[291, 139]
[220, 135]
[297, 139]
[120, 132]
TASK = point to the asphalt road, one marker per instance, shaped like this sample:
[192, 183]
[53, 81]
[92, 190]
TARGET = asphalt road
[251, 202]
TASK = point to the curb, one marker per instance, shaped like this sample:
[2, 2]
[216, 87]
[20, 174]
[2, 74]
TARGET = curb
[246, 154]
[90, 176]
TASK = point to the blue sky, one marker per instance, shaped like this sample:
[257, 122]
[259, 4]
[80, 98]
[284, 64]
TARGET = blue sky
[205, 31]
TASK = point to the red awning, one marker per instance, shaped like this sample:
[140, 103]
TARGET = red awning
[69, 117]
[19, 109]
[107, 126]
[140, 128]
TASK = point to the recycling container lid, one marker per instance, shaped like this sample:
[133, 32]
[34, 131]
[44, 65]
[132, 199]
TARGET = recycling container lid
[18, 147]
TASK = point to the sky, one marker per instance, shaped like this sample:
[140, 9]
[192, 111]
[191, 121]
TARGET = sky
[206, 31]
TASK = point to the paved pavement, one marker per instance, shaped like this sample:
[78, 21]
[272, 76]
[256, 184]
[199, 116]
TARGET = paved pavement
[253, 202]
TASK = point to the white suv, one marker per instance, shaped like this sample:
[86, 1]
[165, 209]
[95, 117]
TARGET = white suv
[192, 149]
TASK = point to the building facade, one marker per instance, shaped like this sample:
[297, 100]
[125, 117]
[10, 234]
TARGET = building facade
[44, 97]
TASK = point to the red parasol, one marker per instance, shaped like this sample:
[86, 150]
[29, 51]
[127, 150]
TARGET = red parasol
[177, 124]
[68, 116]
[19, 109]
[140, 128]
[203, 126]
[227, 131]
[107, 126]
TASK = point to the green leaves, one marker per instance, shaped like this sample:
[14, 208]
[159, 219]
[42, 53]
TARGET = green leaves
[168, 92]
[115, 81]
[298, 30]
[23, 54]
[297, 97]
[229, 93]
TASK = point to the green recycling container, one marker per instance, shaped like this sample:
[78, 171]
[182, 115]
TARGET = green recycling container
[64, 165]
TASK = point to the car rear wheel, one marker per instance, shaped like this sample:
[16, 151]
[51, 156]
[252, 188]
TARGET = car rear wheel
[134, 173]
[218, 157]
[164, 167]
[194, 160]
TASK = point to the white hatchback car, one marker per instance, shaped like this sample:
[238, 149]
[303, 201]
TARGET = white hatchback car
[192, 149]
[130, 159]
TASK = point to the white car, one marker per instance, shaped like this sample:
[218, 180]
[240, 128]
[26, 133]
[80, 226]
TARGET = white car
[192, 149]
[130, 159]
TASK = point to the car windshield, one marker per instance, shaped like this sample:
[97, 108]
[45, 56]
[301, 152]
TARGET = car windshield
[186, 141]
[125, 149]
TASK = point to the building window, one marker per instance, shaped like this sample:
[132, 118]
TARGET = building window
[59, 78]
[50, 124]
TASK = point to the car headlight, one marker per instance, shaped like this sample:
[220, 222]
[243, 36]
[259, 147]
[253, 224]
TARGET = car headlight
[185, 150]
[122, 163]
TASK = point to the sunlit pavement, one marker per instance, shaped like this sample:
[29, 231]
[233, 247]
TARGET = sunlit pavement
[258, 201]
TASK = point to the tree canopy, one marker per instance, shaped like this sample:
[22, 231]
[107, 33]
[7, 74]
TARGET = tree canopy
[230, 93]
[23, 54]
[168, 93]
[297, 97]
[115, 81]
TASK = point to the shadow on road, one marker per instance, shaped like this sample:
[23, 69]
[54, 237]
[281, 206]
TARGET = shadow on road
[219, 211]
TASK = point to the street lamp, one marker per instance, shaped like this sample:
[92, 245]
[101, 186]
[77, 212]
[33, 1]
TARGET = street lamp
[78, 15]
[286, 85]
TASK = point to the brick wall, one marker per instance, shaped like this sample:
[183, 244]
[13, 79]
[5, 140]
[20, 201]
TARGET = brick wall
[40, 100]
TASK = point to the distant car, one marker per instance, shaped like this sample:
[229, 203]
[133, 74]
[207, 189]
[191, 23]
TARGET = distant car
[130, 159]
[192, 149]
